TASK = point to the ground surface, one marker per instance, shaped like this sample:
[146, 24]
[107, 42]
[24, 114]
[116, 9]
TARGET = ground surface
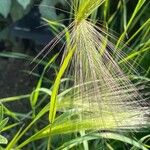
[13, 81]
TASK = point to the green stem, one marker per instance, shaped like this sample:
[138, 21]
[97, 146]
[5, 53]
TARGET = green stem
[53, 103]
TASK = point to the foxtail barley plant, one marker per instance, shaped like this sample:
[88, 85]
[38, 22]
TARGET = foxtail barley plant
[101, 96]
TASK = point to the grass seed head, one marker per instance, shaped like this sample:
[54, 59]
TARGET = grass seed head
[103, 96]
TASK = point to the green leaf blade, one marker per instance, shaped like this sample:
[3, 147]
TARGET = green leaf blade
[24, 3]
[5, 7]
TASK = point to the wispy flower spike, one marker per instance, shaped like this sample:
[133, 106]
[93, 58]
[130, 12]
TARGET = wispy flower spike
[104, 97]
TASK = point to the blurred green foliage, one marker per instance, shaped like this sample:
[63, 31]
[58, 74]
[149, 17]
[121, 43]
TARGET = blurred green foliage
[15, 8]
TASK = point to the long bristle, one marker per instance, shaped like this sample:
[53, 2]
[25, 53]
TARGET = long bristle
[104, 96]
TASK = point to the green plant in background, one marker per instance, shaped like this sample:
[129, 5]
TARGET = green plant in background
[14, 10]
[18, 8]
[93, 103]
[47, 10]
[7, 7]
[11, 11]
